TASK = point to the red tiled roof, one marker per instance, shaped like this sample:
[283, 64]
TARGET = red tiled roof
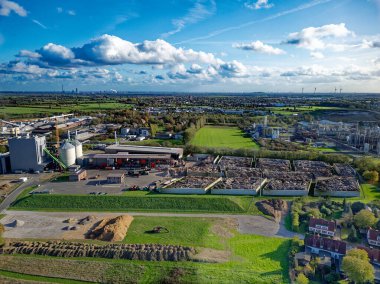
[373, 234]
[322, 222]
[326, 244]
[373, 253]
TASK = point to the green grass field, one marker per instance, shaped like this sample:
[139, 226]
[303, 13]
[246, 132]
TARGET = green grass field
[46, 109]
[141, 202]
[300, 109]
[182, 231]
[227, 137]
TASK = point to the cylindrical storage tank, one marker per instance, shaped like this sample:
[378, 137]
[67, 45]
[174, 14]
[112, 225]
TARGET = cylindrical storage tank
[67, 154]
[78, 148]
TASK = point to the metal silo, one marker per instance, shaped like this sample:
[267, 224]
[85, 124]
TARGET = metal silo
[78, 148]
[67, 154]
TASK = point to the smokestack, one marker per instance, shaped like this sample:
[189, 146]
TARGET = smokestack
[68, 135]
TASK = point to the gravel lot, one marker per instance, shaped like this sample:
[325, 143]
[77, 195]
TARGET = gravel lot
[100, 184]
[49, 225]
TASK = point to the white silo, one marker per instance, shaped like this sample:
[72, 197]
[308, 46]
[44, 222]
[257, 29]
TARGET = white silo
[67, 154]
[78, 148]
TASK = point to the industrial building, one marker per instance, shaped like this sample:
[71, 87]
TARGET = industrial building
[128, 161]
[116, 178]
[27, 153]
[176, 153]
[5, 163]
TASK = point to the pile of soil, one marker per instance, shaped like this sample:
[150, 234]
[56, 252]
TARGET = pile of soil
[272, 207]
[111, 230]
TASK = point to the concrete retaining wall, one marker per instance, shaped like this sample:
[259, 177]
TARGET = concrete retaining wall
[285, 192]
[183, 190]
[234, 191]
[338, 193]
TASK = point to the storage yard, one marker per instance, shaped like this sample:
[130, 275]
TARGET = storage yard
[337, 186]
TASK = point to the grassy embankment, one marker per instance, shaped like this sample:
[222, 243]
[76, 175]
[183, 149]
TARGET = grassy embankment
[136, 201]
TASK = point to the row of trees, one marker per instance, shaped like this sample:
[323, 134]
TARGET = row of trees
[190, 132]
[289, 155]
[369, 167]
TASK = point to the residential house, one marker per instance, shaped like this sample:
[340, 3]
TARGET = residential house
[373, 237]
[322, 246]
[373, 254]
[322, 226]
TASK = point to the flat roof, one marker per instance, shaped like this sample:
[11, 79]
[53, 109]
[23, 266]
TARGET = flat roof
[130, 156]
[115, 175]
[133, 148]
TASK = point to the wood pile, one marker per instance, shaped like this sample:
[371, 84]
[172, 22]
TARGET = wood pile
[146, 252]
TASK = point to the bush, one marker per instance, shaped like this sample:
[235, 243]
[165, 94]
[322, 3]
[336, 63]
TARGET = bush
[371, 176]
[295, 221]
[353, 235]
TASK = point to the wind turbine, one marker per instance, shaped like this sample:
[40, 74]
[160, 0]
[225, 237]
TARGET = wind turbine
[340, 90]
[335, 90]
[302, 91]
[315, 89]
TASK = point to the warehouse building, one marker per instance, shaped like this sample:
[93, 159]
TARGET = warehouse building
[128, 161]
[175, 153]
[5, 163]
[27, 153]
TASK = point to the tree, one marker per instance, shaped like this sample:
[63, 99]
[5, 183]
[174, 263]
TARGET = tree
[314, 212]
[302, 279]
[357, 206]
[371, 176]
[364, 219]
[353, 235]
[153, 130]
[357, 267]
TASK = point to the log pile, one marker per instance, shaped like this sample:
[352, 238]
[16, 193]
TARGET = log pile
[146, 252]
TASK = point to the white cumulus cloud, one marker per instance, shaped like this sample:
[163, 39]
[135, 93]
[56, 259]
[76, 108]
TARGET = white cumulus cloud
[312, 38]
[6, 7]
[259, 47]
[258, 4]
[317, 55]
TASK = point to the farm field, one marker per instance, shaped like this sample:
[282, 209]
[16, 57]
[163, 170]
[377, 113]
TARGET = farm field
[292, 110]
[227, 137]
[47, 109]
[136, 202]
[246, 259]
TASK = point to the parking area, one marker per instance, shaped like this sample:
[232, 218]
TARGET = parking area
[96, 183]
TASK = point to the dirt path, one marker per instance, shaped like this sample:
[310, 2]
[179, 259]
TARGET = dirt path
[49, 224]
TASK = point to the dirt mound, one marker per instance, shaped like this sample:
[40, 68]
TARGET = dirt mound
[70, 220]
[86, 220]
[272, 207]
[111, 230]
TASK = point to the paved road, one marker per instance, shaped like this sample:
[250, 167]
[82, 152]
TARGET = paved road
[13, 195]
[247, 224]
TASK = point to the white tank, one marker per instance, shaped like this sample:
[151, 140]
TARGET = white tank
[67, 154]
[78, 148]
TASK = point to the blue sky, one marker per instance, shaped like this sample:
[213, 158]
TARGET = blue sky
[192, 46]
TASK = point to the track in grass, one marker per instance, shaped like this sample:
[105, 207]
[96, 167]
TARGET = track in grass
[227, 137]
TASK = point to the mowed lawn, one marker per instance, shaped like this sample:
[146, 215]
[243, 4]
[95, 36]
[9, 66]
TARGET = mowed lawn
[225, 137]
